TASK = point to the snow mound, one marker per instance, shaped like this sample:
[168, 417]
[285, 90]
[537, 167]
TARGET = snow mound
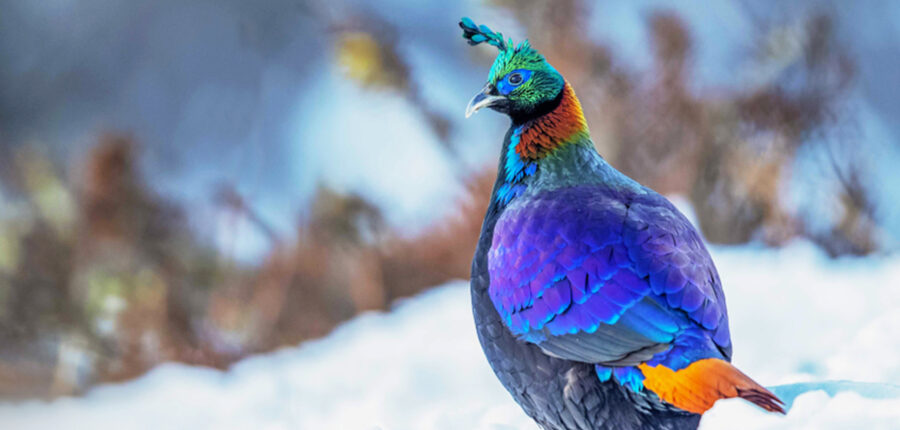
[796, 317]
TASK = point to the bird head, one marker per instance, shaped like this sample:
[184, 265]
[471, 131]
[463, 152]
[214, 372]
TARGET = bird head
[521, 82]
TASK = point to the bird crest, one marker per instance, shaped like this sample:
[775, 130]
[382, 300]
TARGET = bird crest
[477, 34]
[511, 56]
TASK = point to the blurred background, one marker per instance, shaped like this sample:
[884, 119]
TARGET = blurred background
[200, 181]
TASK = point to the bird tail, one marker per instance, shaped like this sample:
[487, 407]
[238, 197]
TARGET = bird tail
[696, 387]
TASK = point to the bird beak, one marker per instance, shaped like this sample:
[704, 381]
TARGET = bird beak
[486, 98]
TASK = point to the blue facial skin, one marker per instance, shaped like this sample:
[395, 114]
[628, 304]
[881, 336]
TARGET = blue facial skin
[505, 86]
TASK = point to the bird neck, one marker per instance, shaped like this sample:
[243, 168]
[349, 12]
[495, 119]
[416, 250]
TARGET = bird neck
[531, 141]
[562, 125]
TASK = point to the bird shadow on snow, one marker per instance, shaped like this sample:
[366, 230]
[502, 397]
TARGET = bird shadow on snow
[871, 390]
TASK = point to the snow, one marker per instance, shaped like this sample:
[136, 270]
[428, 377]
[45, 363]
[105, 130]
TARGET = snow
[802, 324]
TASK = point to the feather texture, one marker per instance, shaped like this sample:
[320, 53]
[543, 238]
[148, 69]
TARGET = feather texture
[599, 267]
[595, 300]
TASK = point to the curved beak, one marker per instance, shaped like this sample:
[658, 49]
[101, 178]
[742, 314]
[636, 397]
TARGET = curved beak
[488, 97]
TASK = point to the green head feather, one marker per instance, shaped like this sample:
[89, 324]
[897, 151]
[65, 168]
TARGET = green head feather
[540, 82]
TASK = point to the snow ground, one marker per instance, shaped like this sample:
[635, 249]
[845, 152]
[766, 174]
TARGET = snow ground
[796, 318]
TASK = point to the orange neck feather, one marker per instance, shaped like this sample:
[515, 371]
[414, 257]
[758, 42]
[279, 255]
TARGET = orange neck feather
[564, 124]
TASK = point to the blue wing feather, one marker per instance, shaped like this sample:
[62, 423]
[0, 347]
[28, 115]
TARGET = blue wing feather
[605, 277]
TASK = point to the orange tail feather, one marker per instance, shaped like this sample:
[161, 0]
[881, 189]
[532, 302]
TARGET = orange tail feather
[696, 387]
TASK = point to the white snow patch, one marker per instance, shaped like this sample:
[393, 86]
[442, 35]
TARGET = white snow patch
[796, 316]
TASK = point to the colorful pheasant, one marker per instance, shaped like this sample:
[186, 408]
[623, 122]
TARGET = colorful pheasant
[595, 300]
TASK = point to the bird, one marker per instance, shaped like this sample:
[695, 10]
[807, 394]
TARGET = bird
[595, 300]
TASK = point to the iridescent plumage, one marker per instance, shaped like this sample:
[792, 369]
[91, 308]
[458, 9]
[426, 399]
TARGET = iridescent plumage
[595, 300]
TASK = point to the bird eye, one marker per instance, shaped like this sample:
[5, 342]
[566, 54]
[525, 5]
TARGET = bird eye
[515, 78]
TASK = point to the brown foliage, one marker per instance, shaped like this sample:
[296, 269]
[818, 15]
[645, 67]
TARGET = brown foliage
[441, 253]
[125, 285]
